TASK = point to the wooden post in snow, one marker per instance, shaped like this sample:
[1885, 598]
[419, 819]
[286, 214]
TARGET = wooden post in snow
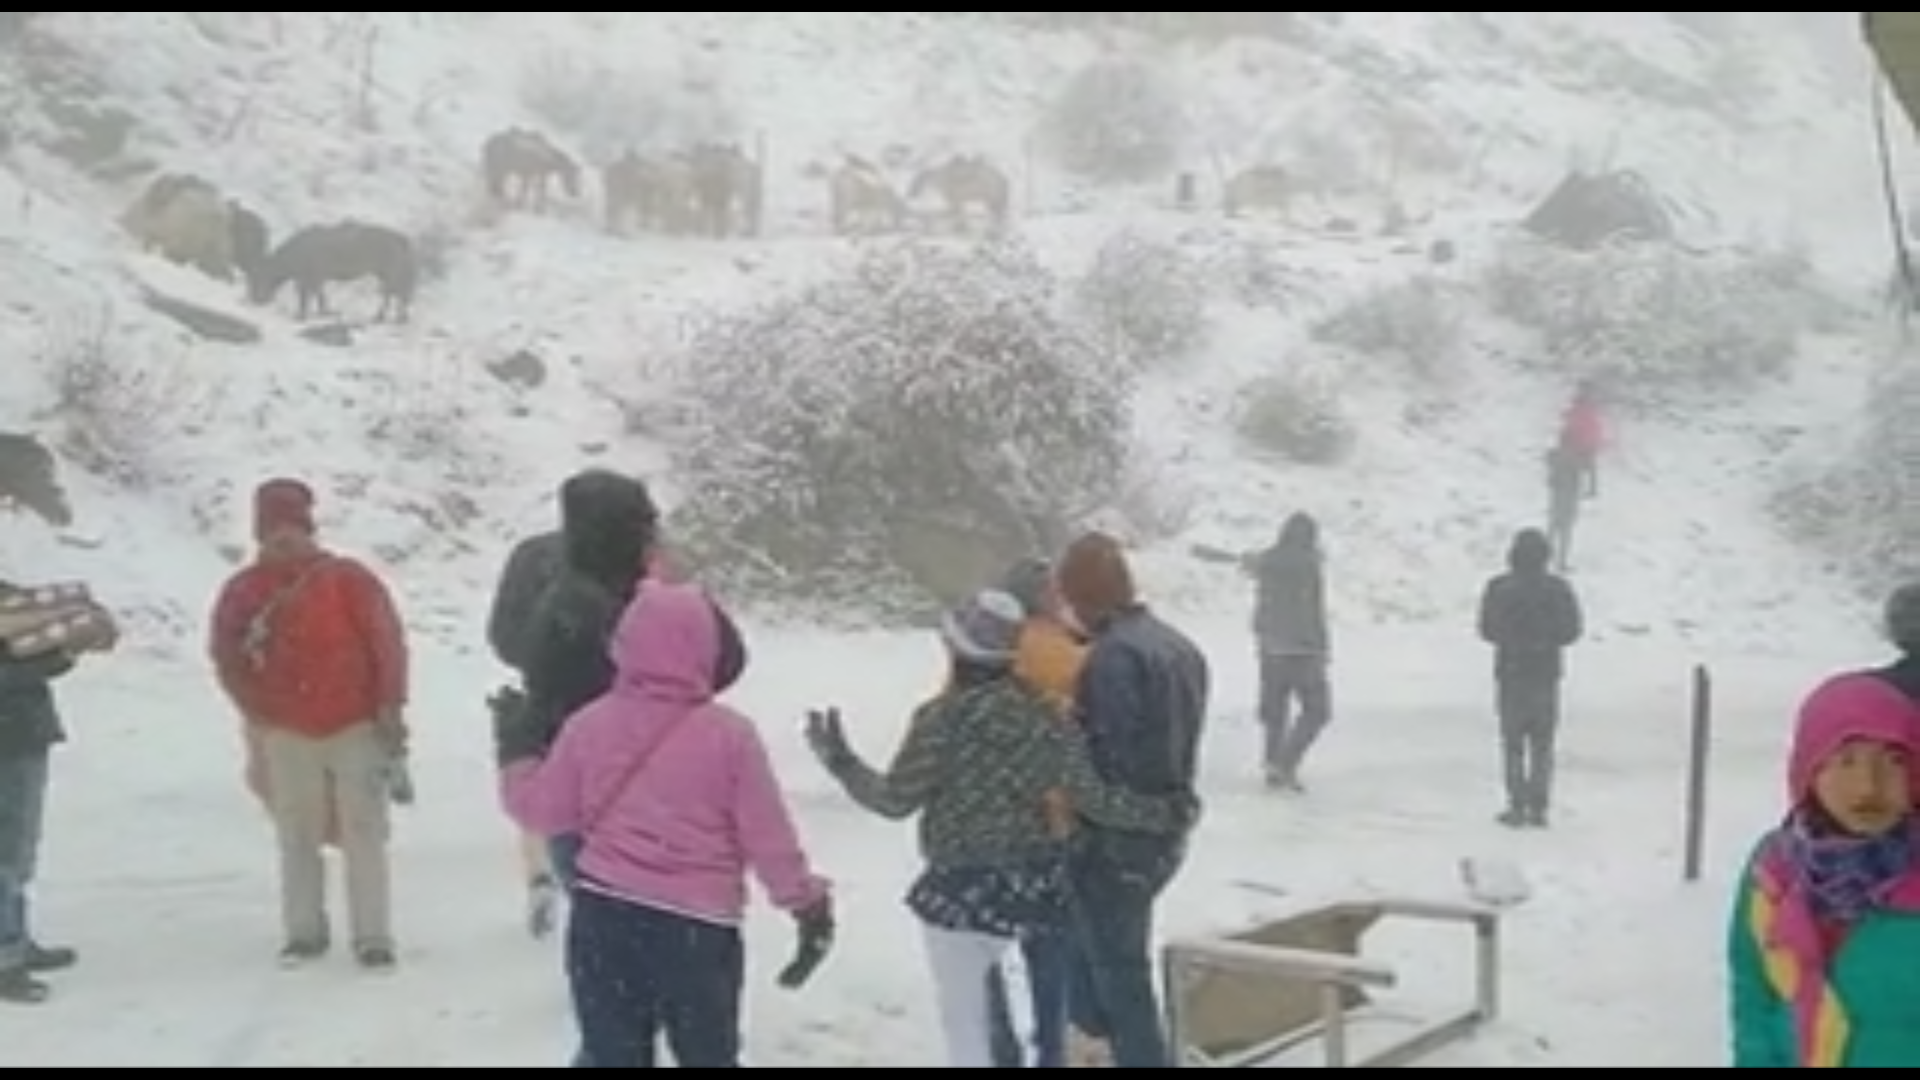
[1700, 744]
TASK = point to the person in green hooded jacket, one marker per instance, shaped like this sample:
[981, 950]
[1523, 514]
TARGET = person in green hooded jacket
[1824, 949]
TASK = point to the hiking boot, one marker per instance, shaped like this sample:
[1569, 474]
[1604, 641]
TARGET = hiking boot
[1513, 818]
[1538, 819]
[19, 987]
[376, 957]
[1281, 779]
[45, 958]
[297, 953]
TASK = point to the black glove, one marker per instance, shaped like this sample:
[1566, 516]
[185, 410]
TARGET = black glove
[400, 790]
[516, 737]
[814, 930]
[828, 738]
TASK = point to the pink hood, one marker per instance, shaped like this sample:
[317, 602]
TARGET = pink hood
[672, 792]
[1844, 709]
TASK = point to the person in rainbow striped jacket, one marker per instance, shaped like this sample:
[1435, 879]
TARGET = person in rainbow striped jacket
[1824, 951]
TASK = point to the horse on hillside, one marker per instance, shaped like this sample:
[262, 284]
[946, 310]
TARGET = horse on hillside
[656, 193]
[30, 479]
[186, 220]
[346, 251]
[520, 164]
[964, 181]
[728, 191]
[861, 199]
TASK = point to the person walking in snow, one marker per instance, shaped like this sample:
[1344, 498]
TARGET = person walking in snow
[675, 802]
[1290, 630]
[309, 648]
[30, 728]
[1566, 477]
[609, 528]
[1142, 701]
[981, 766]
[1583, 435]
[1826, 916]
[1047, 658]
[1530, 616]
[532, 567]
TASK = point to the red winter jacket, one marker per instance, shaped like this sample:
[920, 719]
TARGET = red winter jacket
[1583, 430]
[328, 654]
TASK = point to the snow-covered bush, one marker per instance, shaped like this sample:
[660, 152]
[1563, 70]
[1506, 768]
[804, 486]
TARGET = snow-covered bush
[1144, 300]
[857, 443]
[1652, 319]
[1863, 509]
[117, 414]
[604, 109]
[1296, 417]
[1116, 121]
[1417, 324]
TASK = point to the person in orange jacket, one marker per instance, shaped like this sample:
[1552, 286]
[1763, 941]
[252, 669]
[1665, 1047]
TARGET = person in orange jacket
[1048, 659]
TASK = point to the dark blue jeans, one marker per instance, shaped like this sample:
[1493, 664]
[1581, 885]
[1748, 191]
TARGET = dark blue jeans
[638, 973]
[23, 801]
[1049, 959]
[1117, 882]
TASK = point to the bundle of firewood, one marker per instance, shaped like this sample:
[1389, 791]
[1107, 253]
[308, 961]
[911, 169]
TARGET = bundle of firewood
[38, 619]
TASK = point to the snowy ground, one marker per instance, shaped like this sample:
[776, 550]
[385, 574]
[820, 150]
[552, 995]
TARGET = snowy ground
[160, 868]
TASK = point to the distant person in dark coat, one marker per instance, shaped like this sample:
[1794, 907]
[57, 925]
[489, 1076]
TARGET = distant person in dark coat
[1530, 616]
[1290, 628]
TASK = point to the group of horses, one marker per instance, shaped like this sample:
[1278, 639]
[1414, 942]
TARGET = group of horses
[188, 220]
[716, 190]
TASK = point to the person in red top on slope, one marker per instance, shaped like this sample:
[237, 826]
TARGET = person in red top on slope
[1583, 433]
[309, 648]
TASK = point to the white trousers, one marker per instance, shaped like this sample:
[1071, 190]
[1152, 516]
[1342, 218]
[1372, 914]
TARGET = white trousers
[961, 963]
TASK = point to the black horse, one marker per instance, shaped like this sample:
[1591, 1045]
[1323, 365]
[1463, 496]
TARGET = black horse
[30, 480]
[348, 251]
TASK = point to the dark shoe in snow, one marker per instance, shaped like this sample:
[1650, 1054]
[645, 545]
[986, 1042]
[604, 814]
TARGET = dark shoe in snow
[1537, 819]
[298, 953]
[376, 958]
[1513, 819]
[19, 987]
[45, 958]
[1282, 780]
[543, 906]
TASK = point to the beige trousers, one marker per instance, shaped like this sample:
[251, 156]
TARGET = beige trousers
[313, 788]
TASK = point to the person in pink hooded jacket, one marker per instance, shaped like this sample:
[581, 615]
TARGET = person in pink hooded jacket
[676, 803]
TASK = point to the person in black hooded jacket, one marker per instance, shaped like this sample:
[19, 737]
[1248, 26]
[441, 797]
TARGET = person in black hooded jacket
[621, 513]
[608, 527]
[1530, 616]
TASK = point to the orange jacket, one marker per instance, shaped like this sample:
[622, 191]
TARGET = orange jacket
[1049, 660]
[312, 646]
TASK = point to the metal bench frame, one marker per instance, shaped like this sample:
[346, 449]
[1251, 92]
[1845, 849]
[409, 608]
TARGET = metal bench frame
[1339, 979]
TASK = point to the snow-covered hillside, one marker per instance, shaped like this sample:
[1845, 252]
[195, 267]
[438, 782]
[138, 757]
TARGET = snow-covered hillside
[1460, 120]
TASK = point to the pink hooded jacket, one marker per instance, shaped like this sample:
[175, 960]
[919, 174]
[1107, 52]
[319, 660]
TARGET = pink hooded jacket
[703, 811]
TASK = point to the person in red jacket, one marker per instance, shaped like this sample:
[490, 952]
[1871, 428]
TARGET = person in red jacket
[1583, 434]
[308, 646]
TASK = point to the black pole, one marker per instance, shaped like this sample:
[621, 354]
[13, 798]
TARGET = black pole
[1700, 746]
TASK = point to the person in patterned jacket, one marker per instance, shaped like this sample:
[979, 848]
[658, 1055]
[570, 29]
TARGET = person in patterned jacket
[977, 767]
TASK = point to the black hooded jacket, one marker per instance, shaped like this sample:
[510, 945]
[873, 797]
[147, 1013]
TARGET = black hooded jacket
[1529, 614]
[608, 527]
[1290, 606]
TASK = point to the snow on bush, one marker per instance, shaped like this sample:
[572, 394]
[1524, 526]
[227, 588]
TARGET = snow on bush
[1116, 121]
[120, 414]
[1861, 508]
[1144, 300]
[1295, 417]
[1652, 319]
[1416, 324]
[857, 443]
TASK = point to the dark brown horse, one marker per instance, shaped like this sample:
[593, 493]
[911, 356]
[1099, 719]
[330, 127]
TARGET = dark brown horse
[348, 251]
[30, 479]
[519, 164]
